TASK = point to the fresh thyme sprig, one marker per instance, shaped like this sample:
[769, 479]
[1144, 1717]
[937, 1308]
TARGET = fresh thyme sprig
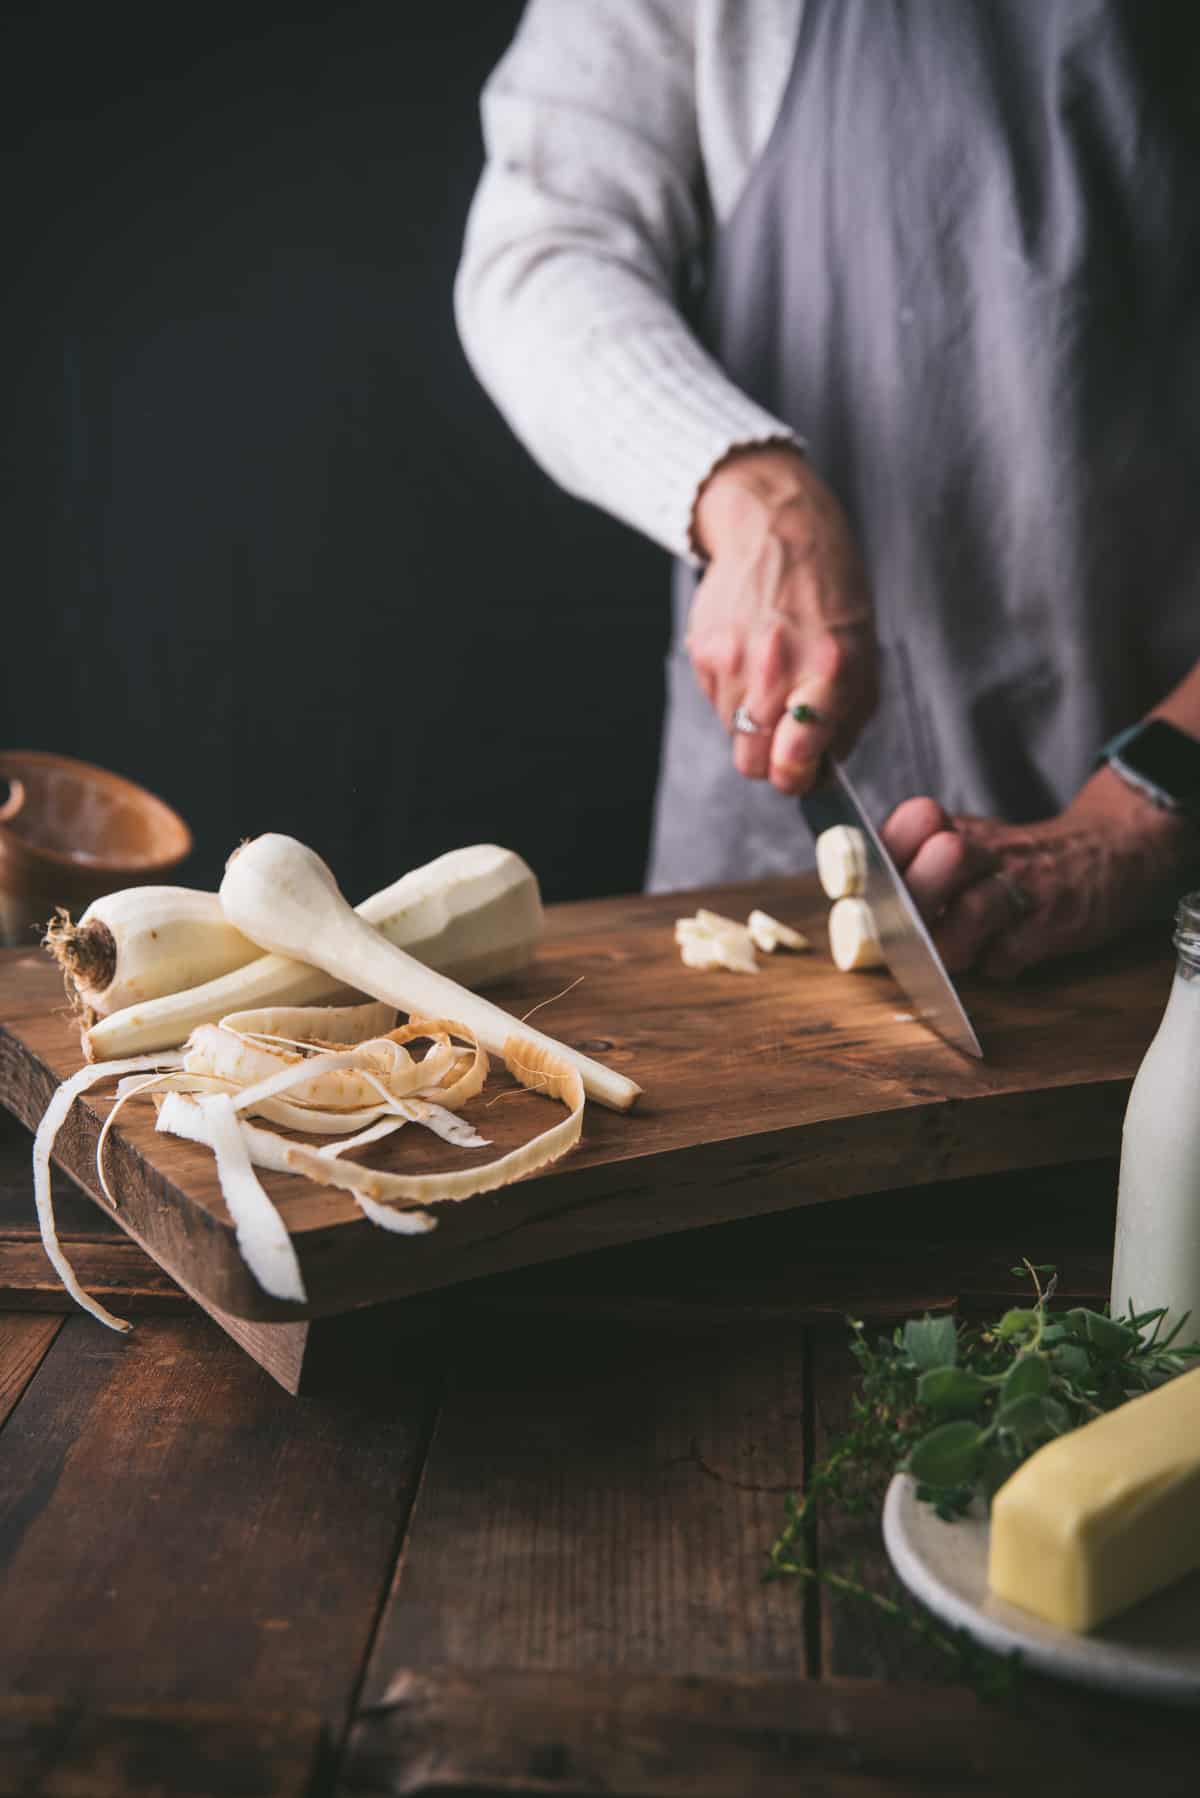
[960, 1408]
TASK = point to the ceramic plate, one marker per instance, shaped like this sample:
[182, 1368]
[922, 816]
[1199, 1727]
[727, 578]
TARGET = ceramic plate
[1152, 1651]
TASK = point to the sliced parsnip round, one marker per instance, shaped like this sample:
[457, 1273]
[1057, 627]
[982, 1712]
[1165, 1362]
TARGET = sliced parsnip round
[709, 940]
[768, 933]
[700, 954]
[717, 921]
[842, 861]
[853, 938]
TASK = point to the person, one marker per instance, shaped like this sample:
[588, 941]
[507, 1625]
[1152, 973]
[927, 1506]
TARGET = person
[881, 315]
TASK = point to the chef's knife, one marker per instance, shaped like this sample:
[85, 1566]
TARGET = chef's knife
[908, 949]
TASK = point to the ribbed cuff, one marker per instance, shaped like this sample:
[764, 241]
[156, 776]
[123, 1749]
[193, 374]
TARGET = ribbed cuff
[665, 415]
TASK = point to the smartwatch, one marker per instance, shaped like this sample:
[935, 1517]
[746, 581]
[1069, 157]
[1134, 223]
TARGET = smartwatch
[1159, 761]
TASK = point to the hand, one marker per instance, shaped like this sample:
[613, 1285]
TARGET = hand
[782, 615]
[1003, 897]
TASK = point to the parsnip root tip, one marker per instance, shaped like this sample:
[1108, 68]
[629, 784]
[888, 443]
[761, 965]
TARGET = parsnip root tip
[86, 953]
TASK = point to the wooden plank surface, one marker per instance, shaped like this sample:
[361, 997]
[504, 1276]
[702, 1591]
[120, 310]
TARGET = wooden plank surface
[174, 1529]
[78, 1215]
[573, 1602]
[762, 1267]
[855, 1641]
[119, 1274]
[630, 1735]
[761, 1093]
[49, 1749]
[599, 1497]
[24, 1343]
[111, 1266]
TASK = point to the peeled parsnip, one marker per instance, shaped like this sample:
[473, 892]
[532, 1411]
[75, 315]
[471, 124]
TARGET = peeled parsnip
[842, 861]
[283, 896]
[135, 945]
[853, 938]
[475, 914]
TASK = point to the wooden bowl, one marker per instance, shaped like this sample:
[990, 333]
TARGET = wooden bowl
[69, 832]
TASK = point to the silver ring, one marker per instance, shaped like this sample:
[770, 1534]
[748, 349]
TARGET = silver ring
[1020, 901]
[744, 724]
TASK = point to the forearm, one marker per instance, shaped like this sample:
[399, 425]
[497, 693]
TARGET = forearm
[565, 296]
[600, 378]
[1168, 840]
[1181, 707]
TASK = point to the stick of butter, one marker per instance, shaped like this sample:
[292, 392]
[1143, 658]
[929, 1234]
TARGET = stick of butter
[1104, 1516]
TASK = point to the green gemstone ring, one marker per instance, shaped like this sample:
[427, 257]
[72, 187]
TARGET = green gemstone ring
[805, 714]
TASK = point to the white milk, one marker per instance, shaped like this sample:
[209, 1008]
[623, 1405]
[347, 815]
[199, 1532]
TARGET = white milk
[1156, 1260]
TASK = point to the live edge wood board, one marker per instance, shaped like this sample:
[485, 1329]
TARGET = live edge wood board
[796, 1086]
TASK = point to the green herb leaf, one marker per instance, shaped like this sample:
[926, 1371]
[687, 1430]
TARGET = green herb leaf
[999, 1461]
[1071, 1361]
[1107, 1337]
[1015, 1324]
[1028, 1377]
[931, 1341]
[952, 1391]
[995, 1395]
[1032, 1418]
[948, 1456]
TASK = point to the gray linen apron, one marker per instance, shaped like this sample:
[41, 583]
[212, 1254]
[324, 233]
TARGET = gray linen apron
[967, 270]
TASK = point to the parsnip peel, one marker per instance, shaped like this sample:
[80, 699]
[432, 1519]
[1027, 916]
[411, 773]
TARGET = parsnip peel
[321, 1071]
[53, 1119]
[535, 1068]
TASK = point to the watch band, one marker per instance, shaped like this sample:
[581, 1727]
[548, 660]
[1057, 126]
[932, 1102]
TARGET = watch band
[1114, 746]
[1182, 803]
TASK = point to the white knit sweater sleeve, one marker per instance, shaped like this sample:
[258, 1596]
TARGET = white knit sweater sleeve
[578, 238]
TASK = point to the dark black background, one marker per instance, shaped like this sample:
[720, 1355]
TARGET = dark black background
[267, 547]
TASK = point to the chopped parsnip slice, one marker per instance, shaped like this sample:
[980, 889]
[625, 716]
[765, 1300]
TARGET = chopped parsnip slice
[768, 933]
[711, 941]
[842, 861]
[853, 938]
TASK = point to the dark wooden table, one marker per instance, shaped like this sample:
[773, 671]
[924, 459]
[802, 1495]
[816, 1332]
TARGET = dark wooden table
[523, 1552]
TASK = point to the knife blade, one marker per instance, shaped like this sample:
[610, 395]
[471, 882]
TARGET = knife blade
[908, 948]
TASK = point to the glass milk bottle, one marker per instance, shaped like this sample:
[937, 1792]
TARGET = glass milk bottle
[1156, 1260]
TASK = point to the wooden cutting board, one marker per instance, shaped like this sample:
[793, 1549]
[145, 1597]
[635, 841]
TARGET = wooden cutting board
[792, 1087]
